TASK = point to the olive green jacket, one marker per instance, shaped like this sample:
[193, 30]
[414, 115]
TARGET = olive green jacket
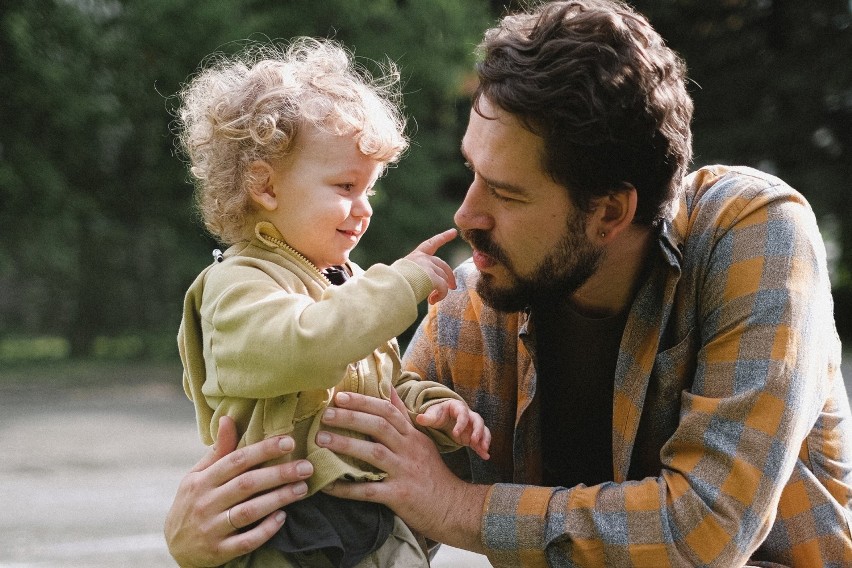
[267, 340]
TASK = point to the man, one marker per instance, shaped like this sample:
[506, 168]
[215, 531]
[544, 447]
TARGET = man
[655, 355]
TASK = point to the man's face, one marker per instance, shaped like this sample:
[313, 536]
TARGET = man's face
[529, 241]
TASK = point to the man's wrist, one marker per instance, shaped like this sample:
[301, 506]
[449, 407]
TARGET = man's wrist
[462, 527]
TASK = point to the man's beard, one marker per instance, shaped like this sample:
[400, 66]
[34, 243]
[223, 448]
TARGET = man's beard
[568, 266]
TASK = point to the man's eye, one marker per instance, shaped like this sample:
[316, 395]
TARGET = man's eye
[500, 196]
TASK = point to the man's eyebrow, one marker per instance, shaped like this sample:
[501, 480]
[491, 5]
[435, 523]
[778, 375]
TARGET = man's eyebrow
[496, 184]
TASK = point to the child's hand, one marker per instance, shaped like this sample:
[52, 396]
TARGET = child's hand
[462, 424]
[439, 271]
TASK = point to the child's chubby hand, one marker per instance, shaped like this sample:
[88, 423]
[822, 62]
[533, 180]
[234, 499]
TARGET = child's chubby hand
[439, 271]
[462, 424]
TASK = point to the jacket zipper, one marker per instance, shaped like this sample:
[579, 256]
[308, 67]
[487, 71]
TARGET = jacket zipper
[353, 382]
[308, 264]
[354, 377]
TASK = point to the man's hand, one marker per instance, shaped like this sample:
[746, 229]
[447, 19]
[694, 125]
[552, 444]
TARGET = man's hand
[419, 487]
[463, 425]
[222, 494]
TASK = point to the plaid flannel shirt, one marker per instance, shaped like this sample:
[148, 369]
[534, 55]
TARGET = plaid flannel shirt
[731, 434]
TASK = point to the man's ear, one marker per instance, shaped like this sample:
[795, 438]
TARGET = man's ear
[260, 186]
[612, 214]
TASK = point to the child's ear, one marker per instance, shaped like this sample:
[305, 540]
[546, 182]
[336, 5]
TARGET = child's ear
[260, 186]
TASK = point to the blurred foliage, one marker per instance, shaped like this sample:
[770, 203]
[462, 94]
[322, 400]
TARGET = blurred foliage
[97, 235]
[14, 350]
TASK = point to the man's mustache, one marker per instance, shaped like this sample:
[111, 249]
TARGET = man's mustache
[481, 241]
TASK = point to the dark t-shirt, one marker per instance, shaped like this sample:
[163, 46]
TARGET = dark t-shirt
[576, 358]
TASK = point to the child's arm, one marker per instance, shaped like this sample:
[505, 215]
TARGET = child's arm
[287, 341]
[463, 425]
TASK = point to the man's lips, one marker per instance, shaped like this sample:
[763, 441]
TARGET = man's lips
[482, 260]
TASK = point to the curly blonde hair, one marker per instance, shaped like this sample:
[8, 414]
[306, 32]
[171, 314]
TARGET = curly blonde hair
[251, 106]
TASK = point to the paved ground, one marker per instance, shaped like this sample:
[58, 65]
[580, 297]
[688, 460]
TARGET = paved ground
[88, 473]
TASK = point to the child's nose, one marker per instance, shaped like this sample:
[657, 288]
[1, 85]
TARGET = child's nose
[361, 207]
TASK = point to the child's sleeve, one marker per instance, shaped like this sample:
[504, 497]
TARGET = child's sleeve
[418, 395]
[267, 341]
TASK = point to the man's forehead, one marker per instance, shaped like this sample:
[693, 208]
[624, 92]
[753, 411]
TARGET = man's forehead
[501, 142]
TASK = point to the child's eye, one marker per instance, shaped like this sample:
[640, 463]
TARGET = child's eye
[371, 192]
[346, 186]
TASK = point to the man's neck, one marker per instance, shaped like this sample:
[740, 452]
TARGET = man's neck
[611, 288]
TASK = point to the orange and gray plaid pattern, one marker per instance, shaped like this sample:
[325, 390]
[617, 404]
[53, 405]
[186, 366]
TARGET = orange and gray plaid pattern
[732, 433]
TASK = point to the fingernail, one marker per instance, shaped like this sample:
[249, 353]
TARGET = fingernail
[279, 517]
[286, 444]
[304, 468]
[329, 414]
[342, 397]
[323, 438]
[300, 488]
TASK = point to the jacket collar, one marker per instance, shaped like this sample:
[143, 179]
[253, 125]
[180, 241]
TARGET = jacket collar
[646, 323]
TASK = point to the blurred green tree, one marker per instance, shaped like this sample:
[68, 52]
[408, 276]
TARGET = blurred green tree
[97, 234]
[57, 109]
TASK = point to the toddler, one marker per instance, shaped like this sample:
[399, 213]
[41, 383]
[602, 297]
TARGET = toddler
[285, 144]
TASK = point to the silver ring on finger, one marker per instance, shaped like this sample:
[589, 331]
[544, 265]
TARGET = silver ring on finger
[230, 522]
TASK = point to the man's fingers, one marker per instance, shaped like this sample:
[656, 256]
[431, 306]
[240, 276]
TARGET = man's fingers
[375, 454]
[285, 477]
[397, 402]
[226, 442]
[249, 512]
[431, 245]
[242, 543]
[251, 456]
[371, 414]
[358, 490]
[381, 421]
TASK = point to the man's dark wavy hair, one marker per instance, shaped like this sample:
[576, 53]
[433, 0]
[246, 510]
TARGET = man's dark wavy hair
[599, 85]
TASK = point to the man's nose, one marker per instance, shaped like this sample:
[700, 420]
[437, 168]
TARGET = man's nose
[473, 212]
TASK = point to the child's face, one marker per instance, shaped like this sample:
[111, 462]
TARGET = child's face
[322, 189]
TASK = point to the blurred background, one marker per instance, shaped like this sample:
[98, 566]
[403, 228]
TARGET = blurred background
[98, 239]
